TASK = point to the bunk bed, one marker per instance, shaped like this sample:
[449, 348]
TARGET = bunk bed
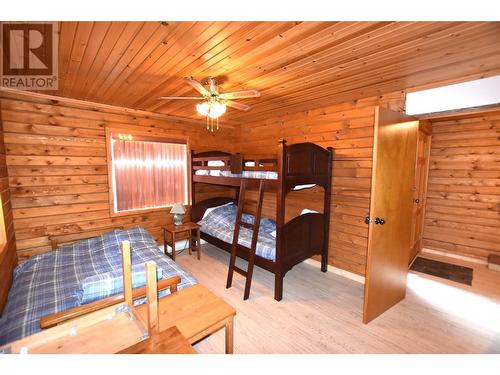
[294, 167]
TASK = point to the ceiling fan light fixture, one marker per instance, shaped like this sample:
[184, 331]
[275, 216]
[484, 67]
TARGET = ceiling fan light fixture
[203, 108]
[213, 110]
[217, 109]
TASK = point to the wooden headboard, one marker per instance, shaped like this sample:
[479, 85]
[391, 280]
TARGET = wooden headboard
[65, 239]
[307, 163]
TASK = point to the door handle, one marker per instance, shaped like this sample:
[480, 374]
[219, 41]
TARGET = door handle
[368, 220]
[417, 200]
[379, 221]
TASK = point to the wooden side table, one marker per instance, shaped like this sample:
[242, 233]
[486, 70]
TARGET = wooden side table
[171, 231]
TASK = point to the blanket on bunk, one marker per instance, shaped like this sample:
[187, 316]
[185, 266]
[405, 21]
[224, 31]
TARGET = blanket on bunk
[263, 175]
[52, 282]
[219, 223]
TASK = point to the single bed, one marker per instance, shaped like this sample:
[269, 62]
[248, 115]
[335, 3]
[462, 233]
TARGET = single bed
[76, 274]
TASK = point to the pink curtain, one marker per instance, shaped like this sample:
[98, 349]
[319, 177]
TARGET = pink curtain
[149, 174]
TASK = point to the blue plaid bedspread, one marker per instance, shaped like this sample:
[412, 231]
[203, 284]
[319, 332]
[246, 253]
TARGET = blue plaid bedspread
[219, 223]
[48, 283]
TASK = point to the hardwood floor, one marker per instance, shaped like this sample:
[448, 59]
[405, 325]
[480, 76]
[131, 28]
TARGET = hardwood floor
[321, 313]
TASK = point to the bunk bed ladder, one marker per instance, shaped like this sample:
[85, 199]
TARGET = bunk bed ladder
[254, 227]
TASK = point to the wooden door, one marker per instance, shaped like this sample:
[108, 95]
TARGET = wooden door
[391, 207]
[420, 187]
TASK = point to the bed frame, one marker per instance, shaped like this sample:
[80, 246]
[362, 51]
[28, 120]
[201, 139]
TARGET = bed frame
[296, 240]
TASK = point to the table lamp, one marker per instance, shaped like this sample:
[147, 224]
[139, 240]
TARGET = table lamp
[178, 210]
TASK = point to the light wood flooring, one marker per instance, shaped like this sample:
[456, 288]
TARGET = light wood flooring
[321, 313]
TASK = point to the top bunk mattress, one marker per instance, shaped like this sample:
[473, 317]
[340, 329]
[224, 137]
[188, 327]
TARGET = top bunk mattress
[263, 175]
[49, 283]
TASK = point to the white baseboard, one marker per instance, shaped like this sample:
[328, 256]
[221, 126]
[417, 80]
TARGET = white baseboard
[456, 256]
[338, 271]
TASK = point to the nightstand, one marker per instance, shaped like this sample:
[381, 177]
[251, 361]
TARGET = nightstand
[171, 231]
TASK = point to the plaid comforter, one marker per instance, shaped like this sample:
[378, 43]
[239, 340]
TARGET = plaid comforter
[49, 283]
[220, 221]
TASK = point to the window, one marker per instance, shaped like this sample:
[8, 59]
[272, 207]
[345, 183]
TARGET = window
[470, 94]
[146, 172]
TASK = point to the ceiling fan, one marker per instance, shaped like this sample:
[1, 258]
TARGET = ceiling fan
[214, 102]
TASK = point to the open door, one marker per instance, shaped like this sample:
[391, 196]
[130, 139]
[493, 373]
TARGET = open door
[420, 191]
[391, 207]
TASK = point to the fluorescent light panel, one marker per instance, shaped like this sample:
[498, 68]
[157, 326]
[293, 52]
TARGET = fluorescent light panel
[470, 94]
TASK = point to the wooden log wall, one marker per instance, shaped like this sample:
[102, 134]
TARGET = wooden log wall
[348, 127]
[56, 160]
[463, 206]
[8, 257]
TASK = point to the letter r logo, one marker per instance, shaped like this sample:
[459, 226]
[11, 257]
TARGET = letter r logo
[27, 49]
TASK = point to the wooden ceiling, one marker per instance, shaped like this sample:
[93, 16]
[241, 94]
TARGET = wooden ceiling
[295, 65]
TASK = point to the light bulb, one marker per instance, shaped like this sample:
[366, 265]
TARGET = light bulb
[203, 108]
[216, 110]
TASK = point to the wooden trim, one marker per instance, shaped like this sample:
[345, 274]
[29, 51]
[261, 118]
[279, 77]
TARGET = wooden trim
[144, 135]
[455, 256]
[461, 113]
[78, 103]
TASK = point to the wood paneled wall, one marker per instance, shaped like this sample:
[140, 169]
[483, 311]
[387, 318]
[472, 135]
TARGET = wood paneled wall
[56, 159]
[347, 127]
[8, 256]
[463, 207]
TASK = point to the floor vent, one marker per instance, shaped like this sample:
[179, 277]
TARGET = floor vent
[447, 271]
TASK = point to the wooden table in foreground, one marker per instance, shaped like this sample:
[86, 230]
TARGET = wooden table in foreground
[184, 318]
[169, 341]
[196, 312]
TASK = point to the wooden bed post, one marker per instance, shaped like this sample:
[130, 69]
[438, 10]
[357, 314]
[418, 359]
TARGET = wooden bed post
[191, 172]
[326, 212]
[152, 296]
[280, 219]
[127, 273]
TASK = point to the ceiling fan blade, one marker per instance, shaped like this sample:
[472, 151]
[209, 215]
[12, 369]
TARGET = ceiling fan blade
[241, 107]
[240, 94]
[197, 86]
[182, 97]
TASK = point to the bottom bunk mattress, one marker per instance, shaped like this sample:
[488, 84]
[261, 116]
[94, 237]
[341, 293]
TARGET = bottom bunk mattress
[80, 273]
[219, 223]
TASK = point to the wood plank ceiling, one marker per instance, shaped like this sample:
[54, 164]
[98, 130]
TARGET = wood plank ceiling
[295, 65]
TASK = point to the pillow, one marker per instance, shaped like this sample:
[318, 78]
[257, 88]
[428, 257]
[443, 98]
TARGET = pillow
[216, 163]
[208, 210]
[103, 285]
[306, 186]
[308, 211]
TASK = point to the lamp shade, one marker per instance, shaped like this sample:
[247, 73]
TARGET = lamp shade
[178, 208]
